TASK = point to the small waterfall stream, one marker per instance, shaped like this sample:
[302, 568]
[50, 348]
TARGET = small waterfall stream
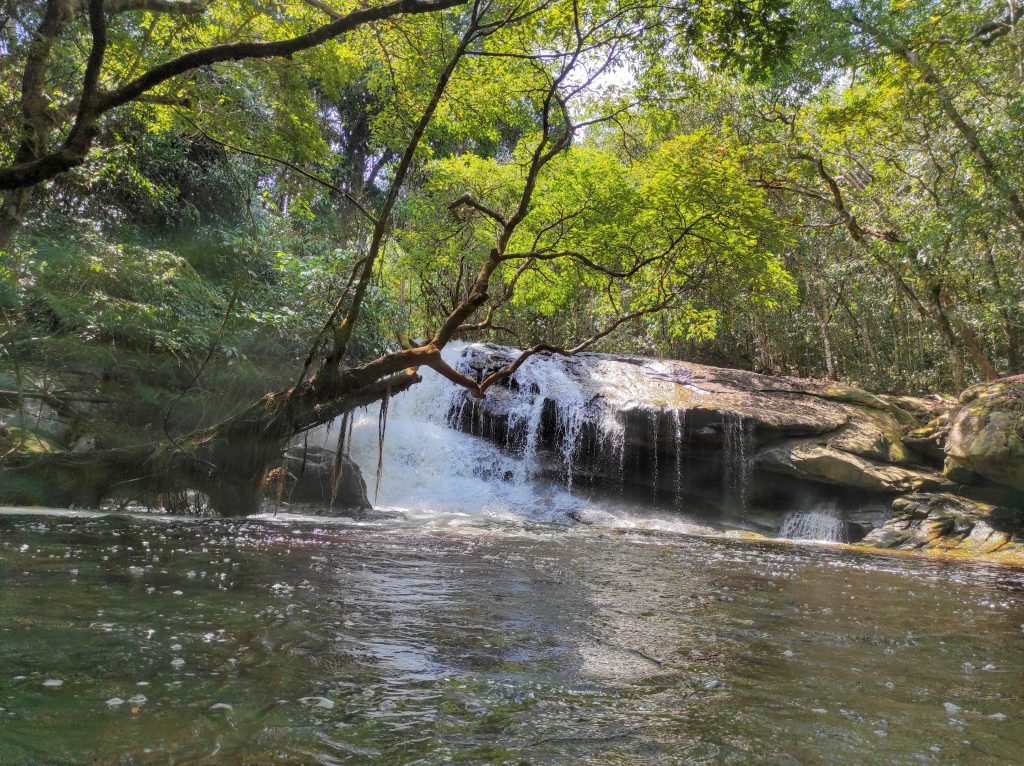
[737, 434]
[824, 523]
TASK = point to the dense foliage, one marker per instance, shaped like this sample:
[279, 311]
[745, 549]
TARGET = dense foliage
[836, 197]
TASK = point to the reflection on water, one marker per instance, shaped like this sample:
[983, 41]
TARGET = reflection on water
[281, 641]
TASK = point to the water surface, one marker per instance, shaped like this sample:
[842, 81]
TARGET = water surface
[154, 640]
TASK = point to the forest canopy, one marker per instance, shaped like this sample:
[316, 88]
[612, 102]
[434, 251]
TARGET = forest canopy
[210, 202]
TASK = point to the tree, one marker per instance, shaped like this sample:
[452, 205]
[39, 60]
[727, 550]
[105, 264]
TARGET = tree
[75, 118]
[550, 54]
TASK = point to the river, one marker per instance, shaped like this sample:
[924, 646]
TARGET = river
[142, 640]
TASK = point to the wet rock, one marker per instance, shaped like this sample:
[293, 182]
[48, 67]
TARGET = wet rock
[947, 522]
[320, 702]
[928, 442]
[308, 480]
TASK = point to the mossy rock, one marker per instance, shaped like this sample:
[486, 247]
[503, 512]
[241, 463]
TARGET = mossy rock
[986, 434]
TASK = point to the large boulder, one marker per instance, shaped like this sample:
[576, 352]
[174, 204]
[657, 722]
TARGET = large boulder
[986, 434]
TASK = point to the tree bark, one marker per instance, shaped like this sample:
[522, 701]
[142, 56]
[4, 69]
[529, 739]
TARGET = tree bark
[956, 362]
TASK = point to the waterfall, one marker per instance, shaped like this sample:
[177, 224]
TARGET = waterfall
[824, 523]
[433, 470]
[430, 467]
[519, 454]
[737, 433]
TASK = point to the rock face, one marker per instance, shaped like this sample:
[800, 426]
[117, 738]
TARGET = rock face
[986, 433]
[734, 439]
[823, 433]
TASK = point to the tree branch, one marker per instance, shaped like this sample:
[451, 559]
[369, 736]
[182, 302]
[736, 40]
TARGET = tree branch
[75, 148]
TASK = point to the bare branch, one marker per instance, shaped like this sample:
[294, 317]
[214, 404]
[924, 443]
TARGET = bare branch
[467, 200]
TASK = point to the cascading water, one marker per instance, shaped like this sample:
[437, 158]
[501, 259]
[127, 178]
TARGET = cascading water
[539, 382]
[824, 523]
[431, 469]
[429, 466]
[679, 435]
[737, 433]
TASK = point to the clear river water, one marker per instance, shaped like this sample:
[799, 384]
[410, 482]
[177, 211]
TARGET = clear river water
[493, 618]
[279, 640]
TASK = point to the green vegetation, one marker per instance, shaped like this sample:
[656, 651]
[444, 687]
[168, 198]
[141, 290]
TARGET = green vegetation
[224, 223]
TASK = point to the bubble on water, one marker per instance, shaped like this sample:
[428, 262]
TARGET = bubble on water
[321, 702]
[138, 699]
[177, 662]
[221, 706]
[53, 683]
[178, 593]
[998, 716]
[176, 647]
[115, 702]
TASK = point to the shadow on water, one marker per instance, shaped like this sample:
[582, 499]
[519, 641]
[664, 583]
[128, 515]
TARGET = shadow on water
[147, 640]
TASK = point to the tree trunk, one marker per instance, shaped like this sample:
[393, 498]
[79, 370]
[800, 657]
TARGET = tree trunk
[1009, 329]
[974, 348]
[956, 362]
[13, 208]
[226, 462]
[821, 314]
